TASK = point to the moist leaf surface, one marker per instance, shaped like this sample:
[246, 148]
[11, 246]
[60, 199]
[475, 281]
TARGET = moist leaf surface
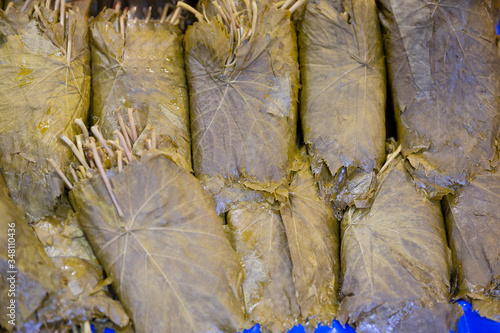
[144, 71]
[259, 237]
[32, 64]
[36, 278]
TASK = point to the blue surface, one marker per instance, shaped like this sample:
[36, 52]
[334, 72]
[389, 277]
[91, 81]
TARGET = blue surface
[498, 28]
[336, 328]
[470, 322]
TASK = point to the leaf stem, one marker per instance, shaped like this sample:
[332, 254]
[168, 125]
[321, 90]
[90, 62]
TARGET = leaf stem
[132, 123]
[97, 133]
[75, 150]
[105, 177]
[60, 173]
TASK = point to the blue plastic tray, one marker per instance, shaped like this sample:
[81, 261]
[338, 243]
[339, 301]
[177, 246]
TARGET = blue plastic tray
[470, 322]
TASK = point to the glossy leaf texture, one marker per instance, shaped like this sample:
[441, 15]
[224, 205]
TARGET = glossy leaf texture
[243, 117]
[143, 71]
[343, 97]
[396, 263]
[445, 79]
[36, 275]
[259, 237]
[473, 221]
[313, 238]
[172, 265]
[43, 291]
[41, 93]
[67, 247]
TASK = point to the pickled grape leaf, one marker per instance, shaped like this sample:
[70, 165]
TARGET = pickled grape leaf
[473, 220]
[343, 96]
[70, 251]
[32, 63]
[259, 237]
[396, 264]
[243, 117]
[169, 253]
[144, 71]
[36, 275]
[445, 72]
[313, 237]
[43, 292]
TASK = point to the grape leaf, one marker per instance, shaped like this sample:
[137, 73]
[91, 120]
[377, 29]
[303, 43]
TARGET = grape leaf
[396, 263]
[343, 96]
[144, 71]
[41, 293]
[172, 265]
[259, 237]
[313, 237]
[36, 275]
[444, 71]
[32, 65]
[473, 220]
[243, 118]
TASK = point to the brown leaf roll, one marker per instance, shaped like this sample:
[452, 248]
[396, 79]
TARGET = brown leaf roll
[343, 97]
[313, 238]
[473, 221]
[259, 237]
[144, 71]
[41, 93]
[243, 117]
[172, 265]
[445, 79]
[396, 263]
